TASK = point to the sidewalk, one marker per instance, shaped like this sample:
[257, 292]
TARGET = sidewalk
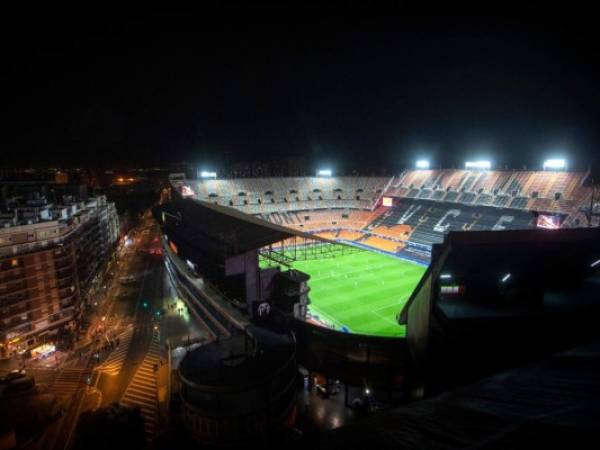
[177, 326]
[163, 384]
[92, 400]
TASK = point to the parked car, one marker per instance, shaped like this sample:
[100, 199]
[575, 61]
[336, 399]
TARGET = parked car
[13, 375]
[322, 390]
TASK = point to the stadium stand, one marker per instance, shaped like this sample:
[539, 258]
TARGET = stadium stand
[395, 232]
[266, 195]
[327, 234]
[427, 203]
[350, 235]
[383, 244]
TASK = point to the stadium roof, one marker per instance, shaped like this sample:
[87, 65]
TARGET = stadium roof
[239, 232]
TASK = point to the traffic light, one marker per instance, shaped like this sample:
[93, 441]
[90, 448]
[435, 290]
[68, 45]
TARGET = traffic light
[145, 304]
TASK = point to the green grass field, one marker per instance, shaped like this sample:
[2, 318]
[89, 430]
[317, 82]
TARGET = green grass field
[361, 291]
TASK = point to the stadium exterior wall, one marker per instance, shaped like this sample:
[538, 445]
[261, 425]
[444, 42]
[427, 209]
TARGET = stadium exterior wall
[348, 357]
[352, 358]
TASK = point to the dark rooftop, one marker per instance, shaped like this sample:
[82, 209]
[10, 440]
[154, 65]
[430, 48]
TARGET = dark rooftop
[242, 360]
[238, 231]
[548, 404]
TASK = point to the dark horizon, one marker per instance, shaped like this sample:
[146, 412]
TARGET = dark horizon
[346, 88]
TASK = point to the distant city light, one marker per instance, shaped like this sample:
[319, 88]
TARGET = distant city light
[481, 165]
[422, 164]
[205, 174]
[595, 263]
[555, 164]
[506, 277]
[445, 276]
[324, 173]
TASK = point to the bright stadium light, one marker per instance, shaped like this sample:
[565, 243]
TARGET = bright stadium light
[324, 172]
[480, 165]
[422, 164]
[555, 164]
[506, 277]
[595, 263]
[205, 174]
[445, 276]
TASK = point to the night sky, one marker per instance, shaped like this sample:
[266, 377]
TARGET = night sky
[353, 88]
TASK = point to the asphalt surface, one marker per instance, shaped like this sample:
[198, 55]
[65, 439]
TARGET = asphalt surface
[127, 313]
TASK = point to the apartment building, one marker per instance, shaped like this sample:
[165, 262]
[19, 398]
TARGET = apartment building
[51, 259]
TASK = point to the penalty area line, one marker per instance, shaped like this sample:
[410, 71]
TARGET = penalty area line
[316, 311]
[387, 319]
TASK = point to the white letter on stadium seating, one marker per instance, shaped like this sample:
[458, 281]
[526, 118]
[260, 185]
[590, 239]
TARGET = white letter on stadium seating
[501, 221]
[412, 209]
[442, 228]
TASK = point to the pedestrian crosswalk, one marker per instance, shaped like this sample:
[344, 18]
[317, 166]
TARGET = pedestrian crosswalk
[142, 390]
[114, 362]
[69, 381]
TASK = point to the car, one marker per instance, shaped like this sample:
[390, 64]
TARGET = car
[127, 279]
[13, 375]
[20, 384]
[322, 390]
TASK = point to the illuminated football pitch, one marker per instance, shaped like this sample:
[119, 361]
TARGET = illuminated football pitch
[361, 292]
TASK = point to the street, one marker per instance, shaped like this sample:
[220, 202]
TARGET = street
[122, 357]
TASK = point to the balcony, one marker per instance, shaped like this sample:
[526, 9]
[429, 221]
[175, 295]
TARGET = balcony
[14, 322]
[31, 247]
[7, 287]
[13, 298]
[66, 293]
[32, 273]
[19, 330]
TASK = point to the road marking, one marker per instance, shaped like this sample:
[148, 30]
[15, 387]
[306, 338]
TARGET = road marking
[114, 363]
[69, 381]
[143, 388]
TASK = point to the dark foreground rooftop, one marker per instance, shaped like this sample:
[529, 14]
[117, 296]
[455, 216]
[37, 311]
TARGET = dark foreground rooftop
[553, 403]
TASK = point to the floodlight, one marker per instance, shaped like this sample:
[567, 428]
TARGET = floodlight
[555, 164]
[506, 277]
[595, 263]
[481, 165]
[422, 164]
[445, 276]
[205, 174]
[324, 173]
